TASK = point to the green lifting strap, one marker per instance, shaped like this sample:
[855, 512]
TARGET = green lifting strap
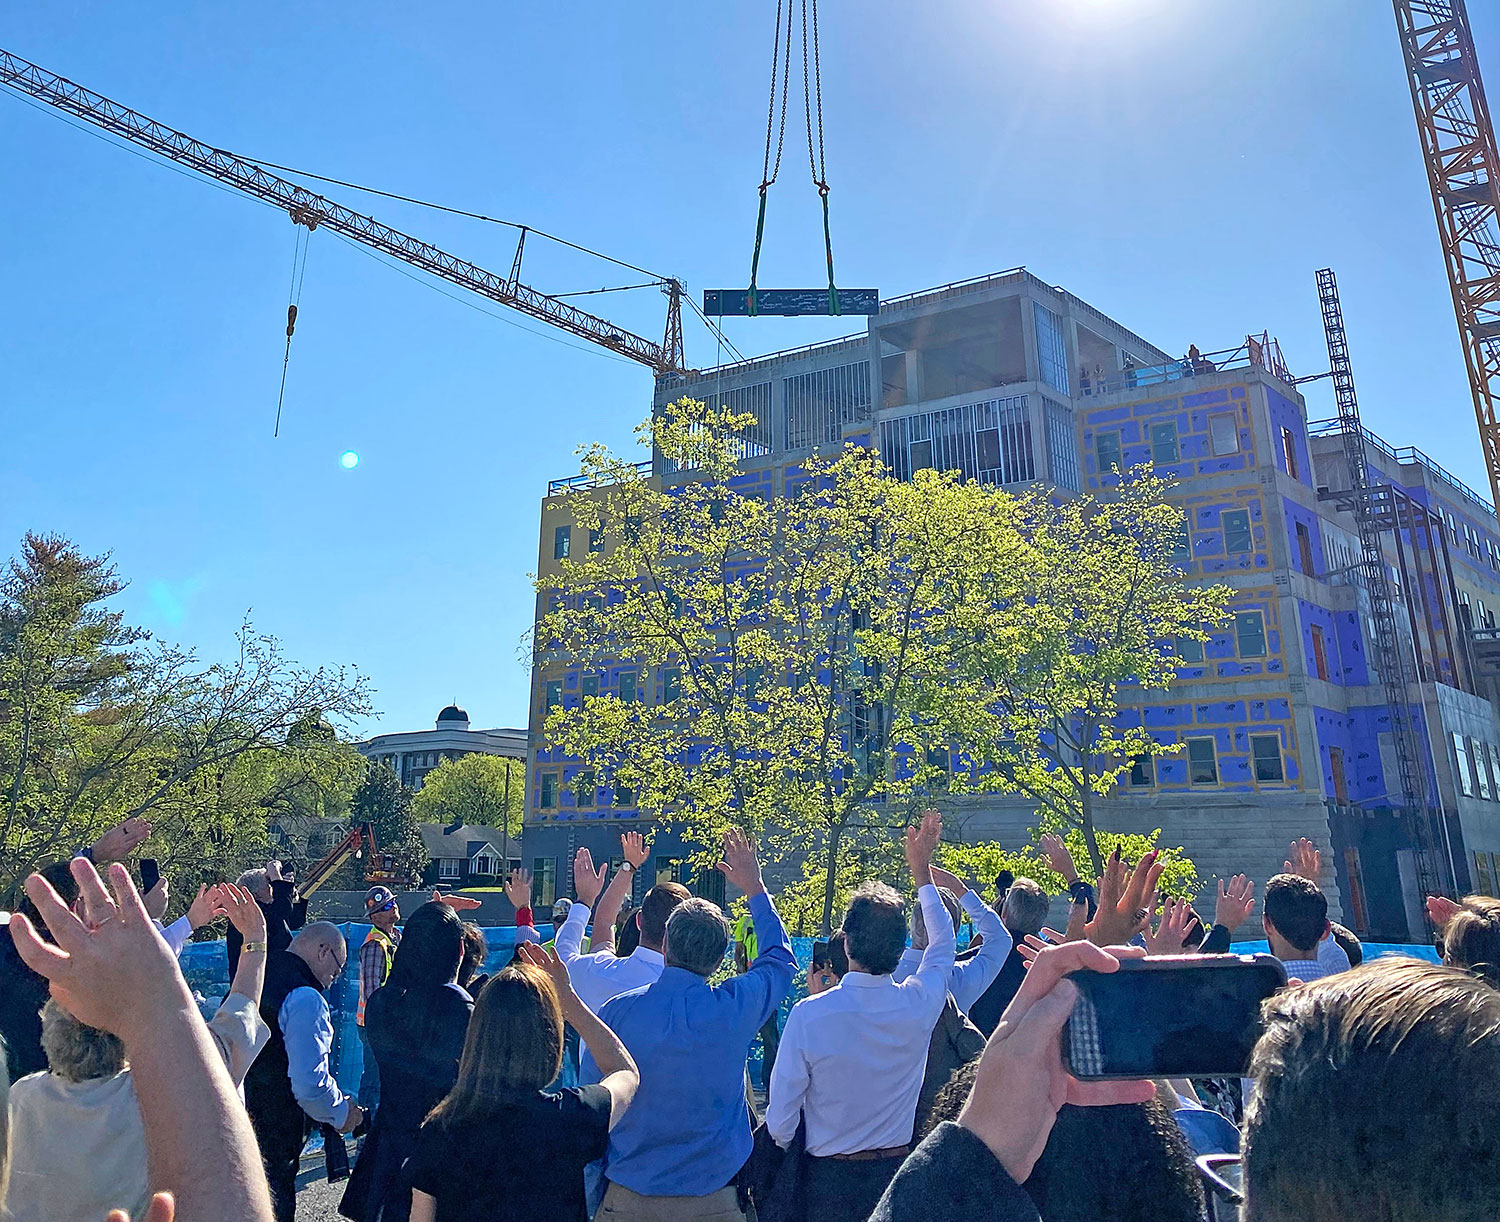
[833, 293]
[760, 228]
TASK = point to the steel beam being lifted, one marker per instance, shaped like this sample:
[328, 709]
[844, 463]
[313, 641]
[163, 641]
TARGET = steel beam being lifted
[307, 208]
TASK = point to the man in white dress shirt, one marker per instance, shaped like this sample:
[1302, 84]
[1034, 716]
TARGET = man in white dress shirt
[969, 979]
[852, 1058]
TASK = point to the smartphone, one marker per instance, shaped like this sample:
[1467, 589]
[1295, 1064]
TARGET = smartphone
[1183, 1016]
[819, 956]
[150, 874]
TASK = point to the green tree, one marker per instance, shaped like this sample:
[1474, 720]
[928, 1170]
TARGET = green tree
[982, 862]
[480, 790]
[779, 652]
[385, 804]
[1041, 704]
[99, 723]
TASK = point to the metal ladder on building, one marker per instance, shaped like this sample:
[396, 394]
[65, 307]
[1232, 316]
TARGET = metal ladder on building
[1376, 511]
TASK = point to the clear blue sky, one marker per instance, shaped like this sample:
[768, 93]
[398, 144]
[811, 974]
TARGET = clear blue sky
[1184, 165]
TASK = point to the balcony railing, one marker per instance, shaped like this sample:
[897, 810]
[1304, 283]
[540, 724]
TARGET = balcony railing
[1406, 455]
[1257, 352]
[580, 483]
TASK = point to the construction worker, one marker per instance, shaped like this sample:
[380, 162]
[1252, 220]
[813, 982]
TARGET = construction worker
[375, 958]
[746, 948]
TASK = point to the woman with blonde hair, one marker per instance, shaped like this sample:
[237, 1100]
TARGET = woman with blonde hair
[501, 1147]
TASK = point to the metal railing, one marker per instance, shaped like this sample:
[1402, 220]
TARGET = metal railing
[1407, 455]
[1256, 352]
[579, 483]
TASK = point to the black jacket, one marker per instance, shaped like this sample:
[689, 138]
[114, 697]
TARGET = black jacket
[955, 1042]
[985, 1013]
[953, 1177]
[282, 917]
[23, 993]
[278, 1119]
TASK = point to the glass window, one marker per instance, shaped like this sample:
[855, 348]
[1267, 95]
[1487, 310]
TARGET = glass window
[1189, 649]
[543, 881]
[1223, 434]
[1051, 348]
[1250, 633]
[1164, 443]
[449, 867]
[589, 685]
[1304, 550]
[1142, 773]
[1481, 768]
[1289, 452]
[627, 686]
[1203, 761]
[549, 791]
[561, 538]
[671, 683]
[596, 539]
[554, 694]
[1237, 531]
[1463, 773]
[1265, 755]
[1182, 545]
[585, 786]
[624, 795]
[921, 455]
[1107, 451]
[1484, 881]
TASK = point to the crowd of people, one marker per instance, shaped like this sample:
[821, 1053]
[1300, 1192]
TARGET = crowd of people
[912, 1082]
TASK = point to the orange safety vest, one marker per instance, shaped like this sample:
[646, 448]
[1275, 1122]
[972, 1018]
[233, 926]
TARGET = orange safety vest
[374, 935]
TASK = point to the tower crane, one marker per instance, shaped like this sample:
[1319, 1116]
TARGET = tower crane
[1463, 169]
[313, 210]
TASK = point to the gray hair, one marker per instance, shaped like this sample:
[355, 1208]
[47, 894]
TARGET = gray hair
[255, 882]
[919, 922]
[697, 937]
[1025, 908]
[75, 1052]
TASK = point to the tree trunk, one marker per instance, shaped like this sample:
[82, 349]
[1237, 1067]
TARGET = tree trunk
[835, 834]
[1086, 808]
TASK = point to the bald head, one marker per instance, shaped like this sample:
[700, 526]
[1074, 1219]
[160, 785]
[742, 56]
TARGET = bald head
[320, 945]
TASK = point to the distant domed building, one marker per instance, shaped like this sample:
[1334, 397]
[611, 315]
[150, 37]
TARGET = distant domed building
[412, 755]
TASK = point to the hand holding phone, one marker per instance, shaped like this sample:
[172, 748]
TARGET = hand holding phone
[150, 874]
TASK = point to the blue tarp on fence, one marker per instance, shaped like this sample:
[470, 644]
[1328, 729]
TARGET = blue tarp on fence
[207, 971]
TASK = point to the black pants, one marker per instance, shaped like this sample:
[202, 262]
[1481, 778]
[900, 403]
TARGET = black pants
[770, 1041]
[841, 1190]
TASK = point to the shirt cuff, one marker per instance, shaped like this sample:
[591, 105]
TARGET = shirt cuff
[524, 917]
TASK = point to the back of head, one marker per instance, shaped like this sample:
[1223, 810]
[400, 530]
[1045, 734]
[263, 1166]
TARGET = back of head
[513, 1047]
[627, 931]
[1025, 908]
[875, 928]
[312, 937]
[656, 908]
[1298, 909]
[1348, 942]
[1376, 1093]
[431, 949]
[60, 875]
[75, 1052]
[697, 937]
[1471, 938]
[919, 922]
[257, 883]
[476, 951]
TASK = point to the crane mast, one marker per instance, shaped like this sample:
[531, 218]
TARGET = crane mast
[313, 210]
[1463, 169]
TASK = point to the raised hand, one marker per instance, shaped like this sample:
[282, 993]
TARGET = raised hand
[205, 909]
[157, 899]
[1441, 910]
[920, 842]
[162, 1209]
[1122, 899]
[634, 848]
[459, 903]
[557, 971]
[518, 889]
[1021, 1082]
[587, 881]
[941, 878]
[243, 912]
[119, 842]
[1171, 928]
[273, 871]
[109, 969]
[740, 865]
[1303, 858]
[1234, 903]
[1058, 857]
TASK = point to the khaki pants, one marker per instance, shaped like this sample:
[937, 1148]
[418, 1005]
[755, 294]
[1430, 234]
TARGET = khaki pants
[622, 1205]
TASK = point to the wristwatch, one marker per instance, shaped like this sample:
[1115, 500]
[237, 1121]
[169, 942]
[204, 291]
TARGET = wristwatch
[625, 865]
[250, 948]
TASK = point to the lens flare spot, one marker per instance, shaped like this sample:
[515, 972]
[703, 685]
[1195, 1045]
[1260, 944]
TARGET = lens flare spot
[349, 459]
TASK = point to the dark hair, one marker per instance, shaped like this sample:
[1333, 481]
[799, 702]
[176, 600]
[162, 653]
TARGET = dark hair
[657, 907]
[875, 928]
[60, 875]
[1348, 942]
[1298, 910]
[1376, 1092]
[838, 954]
[1105, 1164]
[513, 1047]
[476, 950]
[627, 932]
[1471, 938]
[432, 947]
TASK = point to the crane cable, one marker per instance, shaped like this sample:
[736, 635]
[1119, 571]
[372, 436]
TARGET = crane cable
[812, 100]
[299, 273]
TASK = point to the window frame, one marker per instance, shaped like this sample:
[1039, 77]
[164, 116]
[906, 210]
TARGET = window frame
[1239, 636]
[562, 541]
[552, 695]
[1155, 442]
[1143, 766]
[1234, 433]
[635, 687]
[1463, 770]
[1119, 452]
[449, 868]
[1255, 759]
[1249, 532]
[1213, 747]
[1319, 650]
[547, 787]
[1195, 656]
[1289, 452]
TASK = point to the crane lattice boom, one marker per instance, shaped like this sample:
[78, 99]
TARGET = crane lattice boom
[307, 208]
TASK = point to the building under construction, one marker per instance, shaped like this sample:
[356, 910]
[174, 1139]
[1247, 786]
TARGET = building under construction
[1284, 720]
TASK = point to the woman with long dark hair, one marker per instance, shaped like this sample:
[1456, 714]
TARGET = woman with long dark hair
[416, 1026]
[501, 1147]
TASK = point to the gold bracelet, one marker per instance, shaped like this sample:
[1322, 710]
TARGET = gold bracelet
[250, 948]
